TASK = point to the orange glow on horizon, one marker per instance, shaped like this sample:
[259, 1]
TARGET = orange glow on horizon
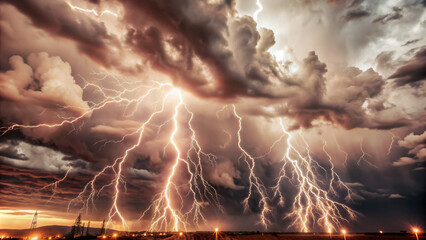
[20, 219]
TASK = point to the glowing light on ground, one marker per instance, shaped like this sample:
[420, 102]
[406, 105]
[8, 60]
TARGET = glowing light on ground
[416, 232]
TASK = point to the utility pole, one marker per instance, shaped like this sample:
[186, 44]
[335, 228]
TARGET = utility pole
[82, 230]
[87, 228]
[103, 228]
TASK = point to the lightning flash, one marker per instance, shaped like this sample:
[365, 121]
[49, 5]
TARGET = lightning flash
[312, 203]
[172, 209]
[92, 11]
[259, 9]
[178, 205]
[255, 182]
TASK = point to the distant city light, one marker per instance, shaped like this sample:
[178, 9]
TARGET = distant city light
[381, 232]
[416, 230]
[344, 233]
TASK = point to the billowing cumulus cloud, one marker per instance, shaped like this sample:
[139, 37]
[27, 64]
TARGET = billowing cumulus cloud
[417, 149]
[348, 86]
[44, 81]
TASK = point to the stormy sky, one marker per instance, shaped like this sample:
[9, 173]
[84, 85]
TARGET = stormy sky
[79, 80]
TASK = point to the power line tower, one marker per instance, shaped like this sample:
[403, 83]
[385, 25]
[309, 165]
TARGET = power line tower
[87, 229]
[76, 228]
[103, 228]
[33, 223]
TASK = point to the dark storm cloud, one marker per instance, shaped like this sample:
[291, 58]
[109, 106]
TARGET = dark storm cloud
[389, 17]
[338, 99]
[202, 52]
[355, 15]
[202, 35]
[19, 183]
[57, 18]
[411, 42]
[413, 71]
[70, 158]
[43, 87]
[210, 51]
[9, 150]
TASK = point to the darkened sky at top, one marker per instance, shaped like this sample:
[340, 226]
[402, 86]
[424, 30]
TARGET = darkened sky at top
[277, 115]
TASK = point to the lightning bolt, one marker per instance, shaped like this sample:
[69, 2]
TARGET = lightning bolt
[259, 9]
[117, 166]
[393, 137]
[54, 185]
[92, 11]
[363, 156]
[312, 203]
[115, 210]
[254, 182]
[178, 205]
[164, 210]
[342, 151]
[165, 195]
[164, 213]
[335, 179]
